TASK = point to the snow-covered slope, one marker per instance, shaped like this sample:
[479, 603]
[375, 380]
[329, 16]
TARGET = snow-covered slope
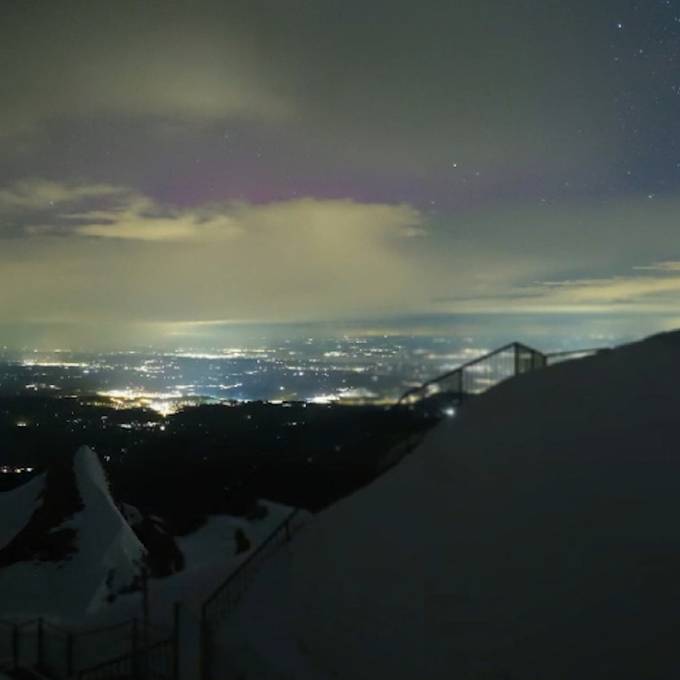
[17, 506]
[65, 558]
[107, 544]
[535, 536]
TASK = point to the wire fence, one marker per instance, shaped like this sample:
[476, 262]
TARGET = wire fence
[56, 655]
[224, 599]
[479, 375]
[157, 661]
[61, 654]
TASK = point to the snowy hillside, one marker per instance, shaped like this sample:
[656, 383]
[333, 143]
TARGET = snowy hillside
[65, 549]
[68, 553]
[535, 536]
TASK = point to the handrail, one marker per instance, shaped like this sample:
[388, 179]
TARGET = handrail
[72, 631]
[105, 664]
[462, 367]
[243, 567]
[472, 362]
[61, 648]
[220, 596]
[130, 658]
[517, 347]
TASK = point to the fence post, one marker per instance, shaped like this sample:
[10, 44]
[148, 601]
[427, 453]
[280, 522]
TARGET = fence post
[145, 598]
[175, 641]
[135, 650]
[204, 661]
[15, 645]
[69, 654]
[41, 643]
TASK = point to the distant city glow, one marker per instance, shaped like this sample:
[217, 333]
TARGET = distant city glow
[165, 408]
[165, 403]
[324, 399]
[54, 364]
[14, 470]
[349, 370]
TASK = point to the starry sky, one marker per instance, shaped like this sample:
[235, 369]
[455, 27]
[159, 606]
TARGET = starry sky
[168, 168]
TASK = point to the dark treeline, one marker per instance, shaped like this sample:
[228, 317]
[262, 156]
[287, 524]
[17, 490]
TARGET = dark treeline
[210, 458]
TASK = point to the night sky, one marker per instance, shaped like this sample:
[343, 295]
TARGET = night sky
[170, 167]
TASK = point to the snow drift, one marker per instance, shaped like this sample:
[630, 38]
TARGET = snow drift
[65, 549]
[535, 536]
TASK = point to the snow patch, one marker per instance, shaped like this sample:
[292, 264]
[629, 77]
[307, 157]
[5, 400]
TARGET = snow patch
[107, 561]
[17, 506]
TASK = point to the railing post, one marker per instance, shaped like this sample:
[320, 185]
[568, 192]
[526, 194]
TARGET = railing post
[230, 591]
[15, 645]
[69, 654]
[135, 650]
[205, 645]
[41, 643]
[175, 641]
[145, 598]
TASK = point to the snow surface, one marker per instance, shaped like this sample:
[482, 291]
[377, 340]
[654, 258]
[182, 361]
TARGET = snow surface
[210, 554]
[107, 546]
[210, 559]
[108, 558]
[17, 506]
[536, 535]
[74, 591]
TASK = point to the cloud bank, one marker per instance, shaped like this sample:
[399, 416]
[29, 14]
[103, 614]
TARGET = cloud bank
[139, 259]
[104, 252]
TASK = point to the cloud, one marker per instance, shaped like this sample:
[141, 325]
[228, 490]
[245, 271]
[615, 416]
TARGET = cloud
[35, 194]
[657, 293]
[631, 291]
[668, 266]
[486, 87]
[109, 253]
[141, 219]
[140, 259]
[306, 220]
[132, 216]
[81, 59]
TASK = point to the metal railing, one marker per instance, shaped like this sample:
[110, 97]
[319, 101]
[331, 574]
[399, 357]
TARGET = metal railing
[484, 372]
[226, 596]
[157, 661]
[60, 653]
[478, 375]
[56, 653]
